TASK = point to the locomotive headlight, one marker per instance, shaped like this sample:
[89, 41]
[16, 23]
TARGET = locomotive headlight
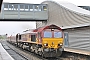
[46, 44]
[60, 44]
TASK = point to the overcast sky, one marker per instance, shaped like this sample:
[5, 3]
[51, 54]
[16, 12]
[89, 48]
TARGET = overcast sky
[15, 27]
[76, 2]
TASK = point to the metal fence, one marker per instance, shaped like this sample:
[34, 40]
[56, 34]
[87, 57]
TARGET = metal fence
[24, 7]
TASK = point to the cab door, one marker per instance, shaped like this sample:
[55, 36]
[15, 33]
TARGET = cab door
[66, 41]
[1, 5]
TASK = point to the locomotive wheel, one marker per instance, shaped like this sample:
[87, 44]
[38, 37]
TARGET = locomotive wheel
[32, 49]
[22, 47]
[40, 53]
[18, 44]
[36, 51]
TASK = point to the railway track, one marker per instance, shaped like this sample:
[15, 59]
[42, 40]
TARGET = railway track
[31, 56]
[16, 55]
[24, 53]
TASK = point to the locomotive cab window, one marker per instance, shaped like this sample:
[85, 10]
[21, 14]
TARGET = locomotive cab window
[33, 38]
[58, 34]
[19, 37]
[47, 34]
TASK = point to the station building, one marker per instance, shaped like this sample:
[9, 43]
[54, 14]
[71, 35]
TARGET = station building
[74, 20]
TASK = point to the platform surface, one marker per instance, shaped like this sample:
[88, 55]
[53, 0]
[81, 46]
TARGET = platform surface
[4, 54]
[85, 52]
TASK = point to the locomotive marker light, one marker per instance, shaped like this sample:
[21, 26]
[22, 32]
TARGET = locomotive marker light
[52, 29]
[60, 44]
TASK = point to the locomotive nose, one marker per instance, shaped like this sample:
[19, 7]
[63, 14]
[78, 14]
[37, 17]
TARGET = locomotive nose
[52, 42]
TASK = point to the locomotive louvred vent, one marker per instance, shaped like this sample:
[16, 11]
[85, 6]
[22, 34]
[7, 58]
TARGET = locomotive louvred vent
[53, 27]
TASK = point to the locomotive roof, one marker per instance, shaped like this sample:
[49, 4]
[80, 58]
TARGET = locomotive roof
[52, 26]
[28, 32]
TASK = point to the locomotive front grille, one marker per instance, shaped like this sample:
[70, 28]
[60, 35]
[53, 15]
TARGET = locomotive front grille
[52, 49]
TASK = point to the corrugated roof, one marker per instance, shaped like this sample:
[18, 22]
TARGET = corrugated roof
[73, 7]
[70, 15]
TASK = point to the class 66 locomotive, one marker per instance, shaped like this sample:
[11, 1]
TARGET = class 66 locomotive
[46, 41]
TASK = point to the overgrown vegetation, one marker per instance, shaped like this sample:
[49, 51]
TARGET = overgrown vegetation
[1, 37]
